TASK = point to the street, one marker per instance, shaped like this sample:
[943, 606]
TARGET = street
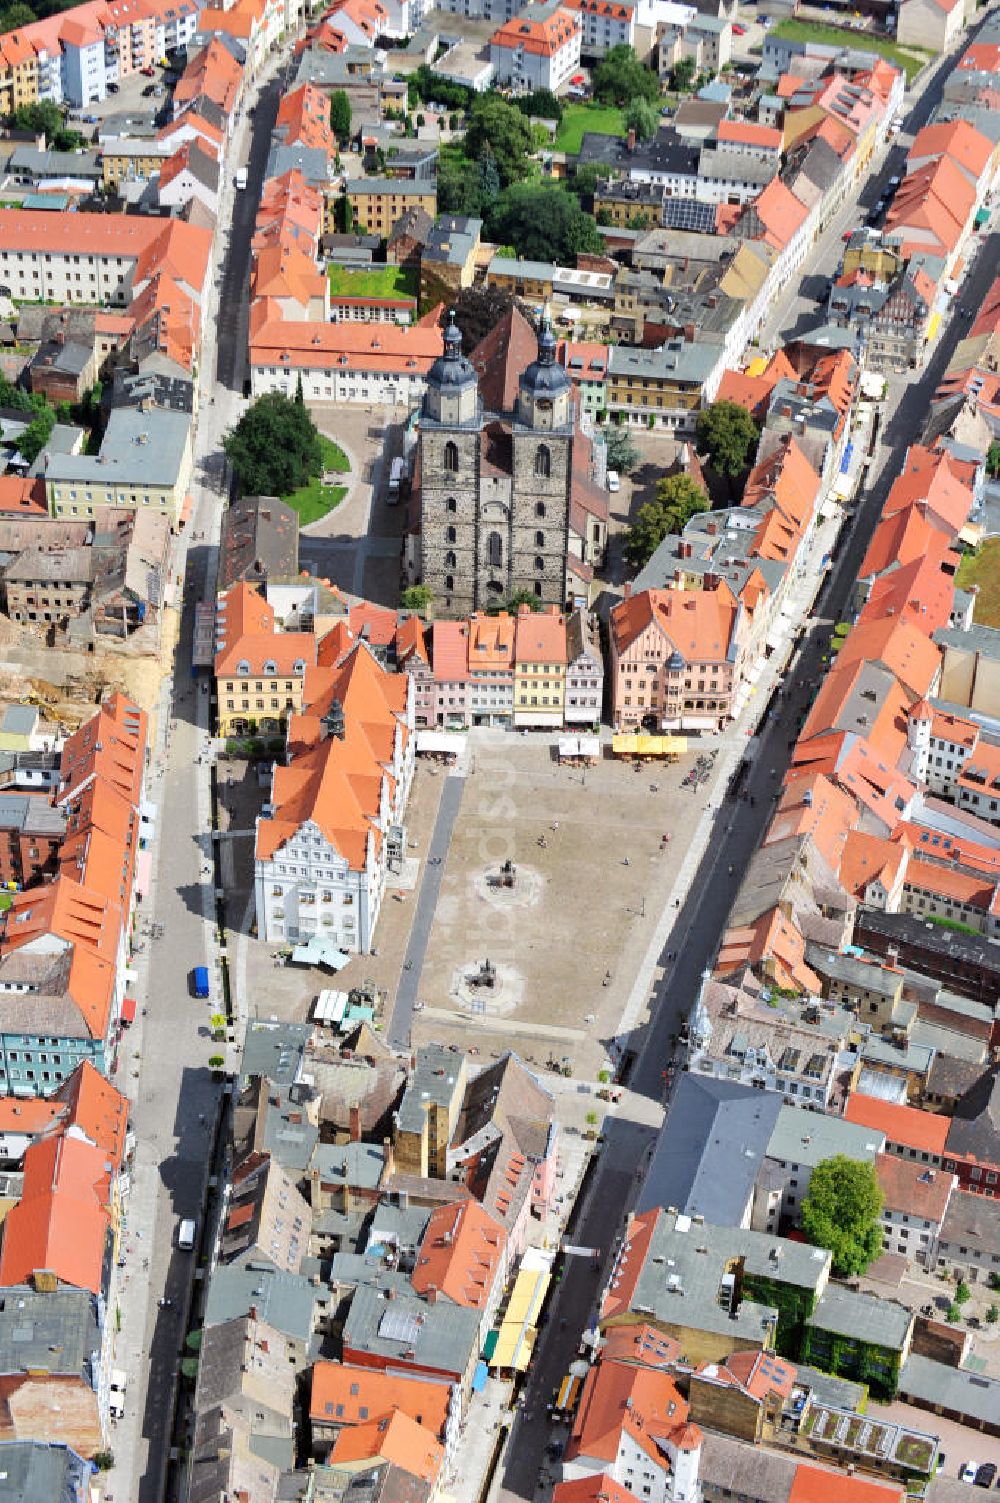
[165, 1070]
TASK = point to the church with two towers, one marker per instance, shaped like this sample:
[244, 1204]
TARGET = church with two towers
[505, 499]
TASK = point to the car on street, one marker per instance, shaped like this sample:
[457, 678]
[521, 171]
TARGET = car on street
[148, 72]
[148, 90]
[614, 483]
[967, 1473]
[112, 88]
[738, 30]
[116, 1393]
[986, 1474]
[186, 1233]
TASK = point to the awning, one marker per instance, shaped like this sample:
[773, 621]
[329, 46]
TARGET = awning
[479, 1376]
[187, 507]
[490, 1344]
[330, 1007]
[320, 951]
[128, 1010]
[579, 746]
[452, 743]
[933, 324]
[642, 745]
[516, 1339]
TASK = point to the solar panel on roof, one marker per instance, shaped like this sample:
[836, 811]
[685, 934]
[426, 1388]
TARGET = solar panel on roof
[399, 1325]
[688, 214]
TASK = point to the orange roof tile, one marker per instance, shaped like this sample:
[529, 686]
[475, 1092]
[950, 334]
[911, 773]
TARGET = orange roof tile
[780, 213]
[461, 1254]
[540, 636]
[540, 35]
[62, 1222]
[813, 1484]
[491, 641]
[956, 139]
[617, 1396]
[450, 651]
[111, 745]
[23, 496]
[899, 646]
[942, 881]
[337, 781]
[698, 623]
[29, 1115]
[247, 634]
[811, 804]
[97, 1109]
[342, 1395]
[745, 133]
[870, 858]
[600, 1487]
[932, 480]
[924, 1132]
[394, 1438]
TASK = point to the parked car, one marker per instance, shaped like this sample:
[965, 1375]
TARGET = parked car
[614, 483]
[149, 89]
[148, 72]
[986, 1474]
[967, 1472]
[738, 30]
[112, 88]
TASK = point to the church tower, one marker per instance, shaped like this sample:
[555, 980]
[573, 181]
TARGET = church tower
[450, 428]
[542, 475]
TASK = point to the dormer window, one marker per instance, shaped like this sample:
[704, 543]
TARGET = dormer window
[243, 668]
[299, 666]
[270, 668]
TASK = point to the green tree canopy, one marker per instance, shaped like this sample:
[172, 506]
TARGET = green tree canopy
[274, 447]
[621, 78]
[842, 1212]
[13, 17]
[480, 309]
[416, 597]
[682, 74]
[543, 222]
[623, 455]
[44, 116]
[586, 178]
[489, 178]
[641, 116]
[458, 185]
[728, 435]
[340, 115]
[541, 103]
[678, 498]
[494, 123]
[993, 460]
[36, 435]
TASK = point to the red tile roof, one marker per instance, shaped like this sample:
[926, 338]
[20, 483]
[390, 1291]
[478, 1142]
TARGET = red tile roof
[924, 1132]
[462, 1254]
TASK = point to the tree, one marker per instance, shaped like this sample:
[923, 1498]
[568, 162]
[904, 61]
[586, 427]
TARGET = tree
[274, 447]
[962, 1293]
[623, 455]
[340, 115]
[458, 189]
[621, 77]
[300, 396]
[682, 74]
[495, 123]
[992, 1314]
[728, 435]
[842, 1211]
[541, 103]
[416, 597]
[343, 214]
[478, 310]
[45, 117]
[953, 1314]
[489, 178]
[16, 16]
[37, 434]
[544, 223]
[641, 116]
[586, 178]
[677, 500]
[522, 597]
[993, 460]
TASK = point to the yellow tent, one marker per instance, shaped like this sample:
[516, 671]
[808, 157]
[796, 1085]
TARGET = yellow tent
[517, 1329]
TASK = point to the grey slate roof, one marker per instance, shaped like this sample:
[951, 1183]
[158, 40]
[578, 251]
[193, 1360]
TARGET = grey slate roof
[31, 1470]
[139, 448]
[286, 1301]
[54, 1333]
[927, 1382]
[275, 1050]
[863, 1317]
[442, 1336]
[709, 1149]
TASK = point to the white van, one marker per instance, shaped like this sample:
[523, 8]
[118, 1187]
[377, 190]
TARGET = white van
[116, 1393]
[614, 484]
[186, 1234]
[397, 471]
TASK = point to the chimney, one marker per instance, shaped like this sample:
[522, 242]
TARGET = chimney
[432, 1294]
[627, 592]
[631, 141]
[355, 1124]
[711, 581]
[332, 723]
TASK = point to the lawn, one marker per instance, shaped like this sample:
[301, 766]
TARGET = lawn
[6, 899]
[910, 59]
[314, 500]
[578, 119]
[983, 569]
[374, 281]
